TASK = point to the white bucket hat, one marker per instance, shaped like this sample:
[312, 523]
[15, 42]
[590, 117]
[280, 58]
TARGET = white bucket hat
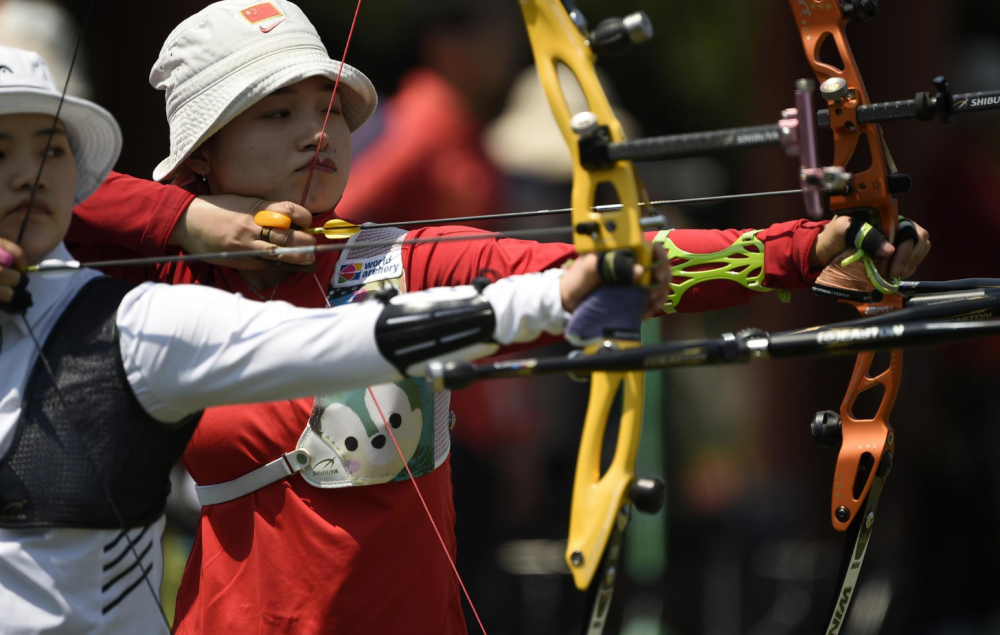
[26, 87]
[232, 54]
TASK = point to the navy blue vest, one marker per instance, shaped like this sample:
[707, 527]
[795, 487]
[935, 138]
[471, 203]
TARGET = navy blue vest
[84, 437]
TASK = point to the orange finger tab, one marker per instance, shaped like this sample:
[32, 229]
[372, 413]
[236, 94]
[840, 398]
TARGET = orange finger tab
[274, 220]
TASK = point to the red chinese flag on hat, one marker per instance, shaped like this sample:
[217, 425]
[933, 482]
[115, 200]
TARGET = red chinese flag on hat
[260, 12]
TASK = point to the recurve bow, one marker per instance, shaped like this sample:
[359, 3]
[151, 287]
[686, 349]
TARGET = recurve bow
[866, 446]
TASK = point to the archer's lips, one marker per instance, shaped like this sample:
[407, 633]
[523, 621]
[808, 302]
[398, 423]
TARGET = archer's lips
[38, 207]
[322, 165]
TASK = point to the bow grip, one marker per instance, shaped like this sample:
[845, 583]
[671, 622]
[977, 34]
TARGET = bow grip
[614, 310]
[274, 220]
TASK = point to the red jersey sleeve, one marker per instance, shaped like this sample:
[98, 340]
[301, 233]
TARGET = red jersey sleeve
[445, 264]
[128, 213]
[786, 262]
[457, 262]
[126, 218]
[786, 259]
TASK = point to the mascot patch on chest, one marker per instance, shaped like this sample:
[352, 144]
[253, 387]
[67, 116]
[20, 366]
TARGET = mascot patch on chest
[349, 441]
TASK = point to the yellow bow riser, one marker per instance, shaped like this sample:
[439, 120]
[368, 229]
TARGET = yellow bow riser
[598, 501]
[554, 40]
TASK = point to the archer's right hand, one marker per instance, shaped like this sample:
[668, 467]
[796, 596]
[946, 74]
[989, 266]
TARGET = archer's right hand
[225, 223]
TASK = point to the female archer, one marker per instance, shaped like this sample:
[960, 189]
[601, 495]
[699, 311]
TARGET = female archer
[342, 544]
[103, 384]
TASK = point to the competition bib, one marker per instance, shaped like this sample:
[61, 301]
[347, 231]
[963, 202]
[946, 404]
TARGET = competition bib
[346, 434]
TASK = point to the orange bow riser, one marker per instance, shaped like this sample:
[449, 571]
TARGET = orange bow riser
[866, 445]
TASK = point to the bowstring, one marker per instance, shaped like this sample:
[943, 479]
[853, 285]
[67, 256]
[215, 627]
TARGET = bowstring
[416, 488]
[305, 195]
[274, 250]
[329, 108]
[34, 338]
[55, 122]
[430, 517]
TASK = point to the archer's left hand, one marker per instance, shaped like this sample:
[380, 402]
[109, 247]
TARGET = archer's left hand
[901, 259]
[582, 278]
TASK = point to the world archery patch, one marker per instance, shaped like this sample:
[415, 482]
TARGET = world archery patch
[260, 12]
[381, 267]
[348, 272]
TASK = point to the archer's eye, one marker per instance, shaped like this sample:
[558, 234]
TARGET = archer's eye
[278, 114]
[56, 153]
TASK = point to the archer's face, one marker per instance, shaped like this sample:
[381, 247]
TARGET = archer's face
[22, 145]
[267, 150]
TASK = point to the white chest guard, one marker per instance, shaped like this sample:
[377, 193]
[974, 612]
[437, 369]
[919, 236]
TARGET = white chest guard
[345, 442]
[346, 434]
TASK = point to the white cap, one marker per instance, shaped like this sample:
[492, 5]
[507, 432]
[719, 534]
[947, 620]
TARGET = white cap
[26, 87]
[232, 54]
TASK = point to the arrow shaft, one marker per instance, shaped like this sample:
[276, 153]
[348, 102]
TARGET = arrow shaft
[60, 265]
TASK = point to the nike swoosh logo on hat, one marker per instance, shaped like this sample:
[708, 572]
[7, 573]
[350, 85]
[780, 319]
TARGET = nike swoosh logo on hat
[270, 28]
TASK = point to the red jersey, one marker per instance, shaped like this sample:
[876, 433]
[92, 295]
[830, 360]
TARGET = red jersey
[294, 558]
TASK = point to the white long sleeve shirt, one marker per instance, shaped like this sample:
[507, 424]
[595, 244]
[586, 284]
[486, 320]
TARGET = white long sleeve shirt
[186, 348]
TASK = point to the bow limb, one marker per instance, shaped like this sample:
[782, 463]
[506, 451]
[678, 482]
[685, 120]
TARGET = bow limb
[866, 444]
[602, 503]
